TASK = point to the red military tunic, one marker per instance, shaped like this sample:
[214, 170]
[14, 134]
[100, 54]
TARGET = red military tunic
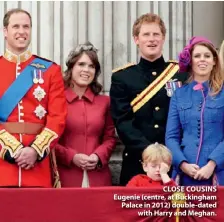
[48, 107]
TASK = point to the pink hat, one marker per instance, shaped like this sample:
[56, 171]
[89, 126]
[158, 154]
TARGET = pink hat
[185, 56]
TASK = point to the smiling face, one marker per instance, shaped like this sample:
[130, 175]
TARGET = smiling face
[18, 32]
[83, 71]
[150, 41]
[202, 62]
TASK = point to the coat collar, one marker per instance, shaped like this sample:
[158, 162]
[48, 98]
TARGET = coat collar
[204, 86]
[150, 180]
[158, 63]
[17, 58]
[154, 182]
[71, 95]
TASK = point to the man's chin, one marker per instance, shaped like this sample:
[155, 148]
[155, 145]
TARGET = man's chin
[22, 45]
[152, 56]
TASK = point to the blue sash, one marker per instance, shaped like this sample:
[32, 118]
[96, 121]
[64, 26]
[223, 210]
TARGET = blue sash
[20, 87]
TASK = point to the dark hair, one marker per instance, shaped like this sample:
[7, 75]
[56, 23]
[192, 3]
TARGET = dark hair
[75, 54]
[13, 11]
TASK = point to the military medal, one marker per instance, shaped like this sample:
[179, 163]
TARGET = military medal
[169, 90]
[171, 86]
[41, 81]
[35, 80]
[40, 111]
[39, 93]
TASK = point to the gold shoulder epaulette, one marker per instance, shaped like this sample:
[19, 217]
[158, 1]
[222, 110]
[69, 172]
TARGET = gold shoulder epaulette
[123, 67]
[173, 61]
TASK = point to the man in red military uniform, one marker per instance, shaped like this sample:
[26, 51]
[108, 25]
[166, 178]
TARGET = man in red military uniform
[32, 107]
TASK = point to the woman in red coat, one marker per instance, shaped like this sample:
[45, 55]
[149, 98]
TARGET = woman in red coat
[86, 145]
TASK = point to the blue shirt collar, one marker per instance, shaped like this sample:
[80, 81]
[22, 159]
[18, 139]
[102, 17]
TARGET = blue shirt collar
[204, 84]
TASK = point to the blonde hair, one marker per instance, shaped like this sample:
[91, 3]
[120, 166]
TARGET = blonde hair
[217, 76]
[157, 152]
[221, 55]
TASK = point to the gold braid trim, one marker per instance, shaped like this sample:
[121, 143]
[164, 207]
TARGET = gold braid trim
[43, 141]
[174, 61]
[123, 67]
[178, 198]
[154, 87]
[10, 143]
[2, 153]
[55, 173]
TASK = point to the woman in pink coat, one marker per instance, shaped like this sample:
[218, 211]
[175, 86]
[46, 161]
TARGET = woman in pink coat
[86, 145]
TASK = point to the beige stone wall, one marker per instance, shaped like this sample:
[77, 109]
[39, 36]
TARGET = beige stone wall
[208, 20]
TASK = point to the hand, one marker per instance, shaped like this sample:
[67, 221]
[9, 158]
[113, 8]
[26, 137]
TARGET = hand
[93, 160]
[189, 169]
[80, 160]
[164, 168]
[206, 171]
[26, 157]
